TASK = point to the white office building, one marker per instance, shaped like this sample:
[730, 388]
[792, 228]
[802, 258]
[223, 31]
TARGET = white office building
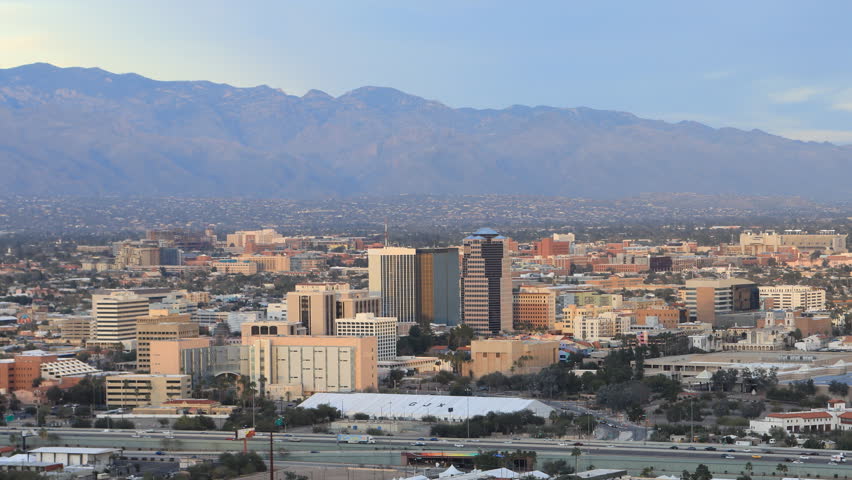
[369, 325]
[793, 297]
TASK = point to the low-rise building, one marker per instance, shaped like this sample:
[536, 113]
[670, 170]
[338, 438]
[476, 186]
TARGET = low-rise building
[232, 266]
[511, 356]
[834, 417]
[98, 458]
[139, 389]
[792, 297]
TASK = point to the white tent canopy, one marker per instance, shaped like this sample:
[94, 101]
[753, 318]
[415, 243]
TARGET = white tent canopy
[450, 472]
[443, 407]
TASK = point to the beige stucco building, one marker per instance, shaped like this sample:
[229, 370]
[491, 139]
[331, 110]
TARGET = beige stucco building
[160, 327]
[166, 355]
[318, 305]
[511, 356]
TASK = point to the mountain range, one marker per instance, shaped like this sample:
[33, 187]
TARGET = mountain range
[86, 131]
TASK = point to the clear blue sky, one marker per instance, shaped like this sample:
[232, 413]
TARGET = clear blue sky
[781, 66]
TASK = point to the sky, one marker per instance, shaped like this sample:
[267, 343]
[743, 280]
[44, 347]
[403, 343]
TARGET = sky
[784, 67]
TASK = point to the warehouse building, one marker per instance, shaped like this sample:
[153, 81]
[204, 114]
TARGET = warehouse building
[444, 407]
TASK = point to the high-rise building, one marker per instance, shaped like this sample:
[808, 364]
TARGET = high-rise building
[486, 283]
[369, 325]
[115, 315]
[438, 286]
[317, 305]
[708, 297]
[416, 285]
[393, 275]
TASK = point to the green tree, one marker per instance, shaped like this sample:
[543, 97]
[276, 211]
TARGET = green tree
[838, 388]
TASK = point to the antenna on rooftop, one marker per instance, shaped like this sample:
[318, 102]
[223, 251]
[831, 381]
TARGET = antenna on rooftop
[386, 231]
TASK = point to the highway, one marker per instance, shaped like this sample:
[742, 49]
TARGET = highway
[323, 448]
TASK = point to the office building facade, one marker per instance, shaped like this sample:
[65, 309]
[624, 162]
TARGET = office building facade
[115, 315]
[369, 325]
[486, 283]
[708, 297]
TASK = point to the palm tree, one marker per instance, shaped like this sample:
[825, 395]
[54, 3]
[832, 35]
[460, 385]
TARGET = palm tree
[576, 452]
[781, 468]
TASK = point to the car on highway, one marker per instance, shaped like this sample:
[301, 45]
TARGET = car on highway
[314, 451]
[747, 450]
[691, 448]
[508, 442]
[563, 444]
[294, 439]
[731, 450]
[159, 453]
[798, 462]
[728, 456]
[804, 457]
[417, 444]
[578, 444]
[757, 456]
[421, 439]
[433, 439]
[459, 445]
[710, 449]
[674, 447]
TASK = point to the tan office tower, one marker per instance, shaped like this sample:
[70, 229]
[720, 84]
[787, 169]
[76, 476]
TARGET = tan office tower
[393, 275]
[115, 315]
[164, 327]
[706, 298]
[317, 305]
[486, 283]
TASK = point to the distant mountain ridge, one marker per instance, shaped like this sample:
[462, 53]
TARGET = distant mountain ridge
[87, 131]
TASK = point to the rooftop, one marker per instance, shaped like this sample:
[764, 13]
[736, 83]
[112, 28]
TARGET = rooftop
[75, 450]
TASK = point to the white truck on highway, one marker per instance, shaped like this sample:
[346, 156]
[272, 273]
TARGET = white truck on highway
[344, 438]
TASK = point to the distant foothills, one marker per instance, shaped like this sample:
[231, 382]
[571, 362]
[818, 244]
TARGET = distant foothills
[90, 132]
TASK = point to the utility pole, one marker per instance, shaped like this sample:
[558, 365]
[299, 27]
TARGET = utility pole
[691, 420]
[279, 422]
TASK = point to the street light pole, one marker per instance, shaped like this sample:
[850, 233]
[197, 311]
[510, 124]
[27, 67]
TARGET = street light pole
[691, 420]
